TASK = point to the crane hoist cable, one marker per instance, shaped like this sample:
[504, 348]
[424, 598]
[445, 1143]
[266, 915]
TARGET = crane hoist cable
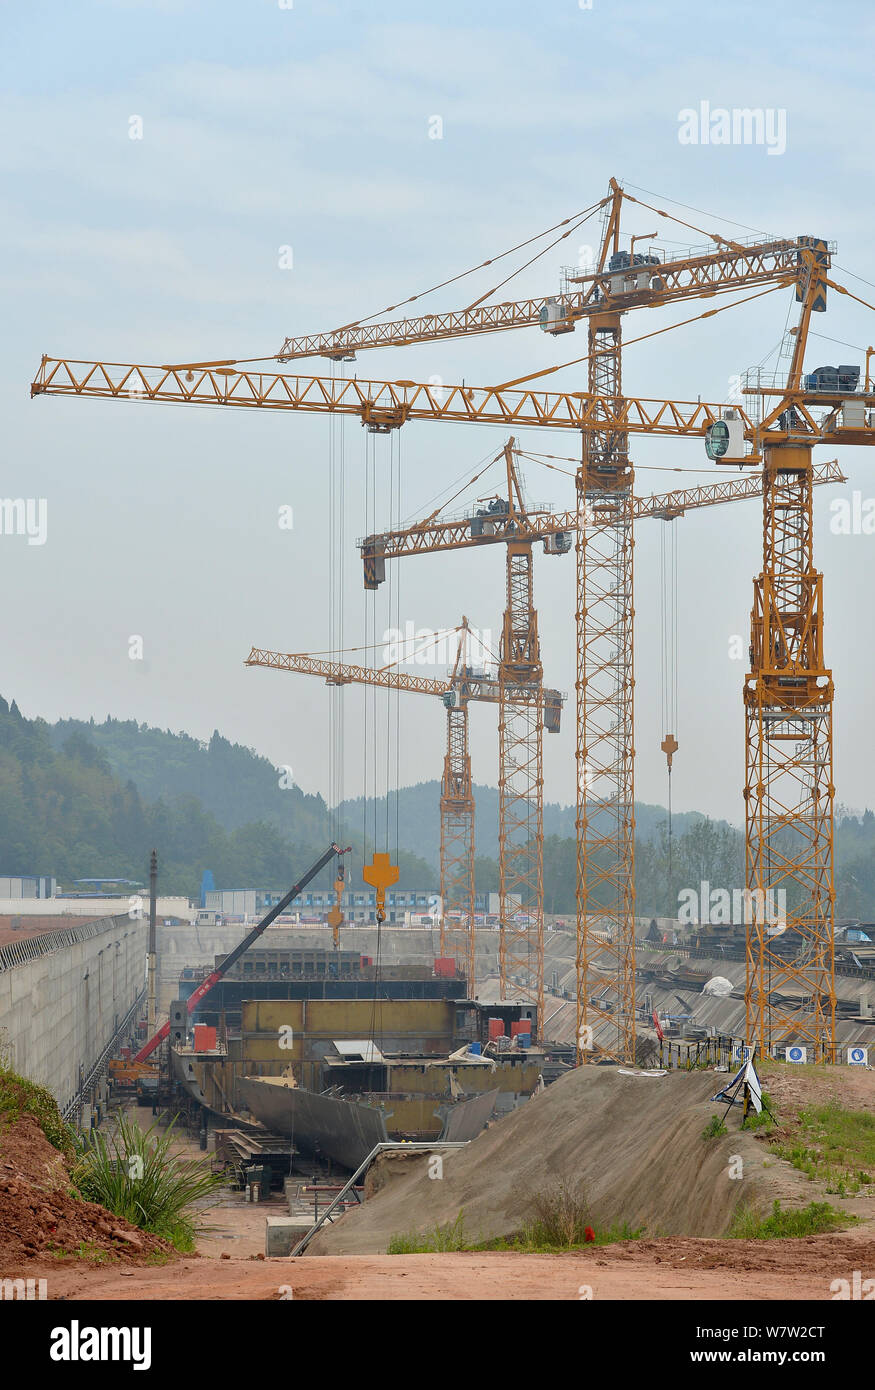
[393, 706]
[687, 206]
[668, 664]
[436, 637]
[412, 517]
[336, 601]
[381, 873]
[526, 264]
[400, 492]
[336, 557]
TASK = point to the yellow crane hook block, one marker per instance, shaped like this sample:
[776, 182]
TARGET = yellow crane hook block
[380, 874]
[669, 747]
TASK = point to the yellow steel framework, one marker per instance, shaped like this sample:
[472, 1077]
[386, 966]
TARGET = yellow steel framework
[462, 686]
[788, 696]
[800, 417]
[605, 751]
[508, 521]
[521, 783]
[381, 405]
[735, 265]
[442, 534]
[522, 709]
[457, 845]
[789, 783]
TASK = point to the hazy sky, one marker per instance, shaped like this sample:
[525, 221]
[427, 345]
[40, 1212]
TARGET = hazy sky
[274, 133]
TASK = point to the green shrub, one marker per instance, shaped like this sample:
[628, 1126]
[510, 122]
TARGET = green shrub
[812, 1220]
[763, 1120]
[561, 1216]
[714, 1128]
[534, 1240]
[18, 1097]
[560, 1225]
[439, 1240]
[134, 1175]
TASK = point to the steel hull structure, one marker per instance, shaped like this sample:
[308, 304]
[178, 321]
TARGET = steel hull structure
[323, 1126]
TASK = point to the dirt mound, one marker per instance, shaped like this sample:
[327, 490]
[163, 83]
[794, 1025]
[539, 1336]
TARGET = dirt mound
[634, 1142]
[39, 1214]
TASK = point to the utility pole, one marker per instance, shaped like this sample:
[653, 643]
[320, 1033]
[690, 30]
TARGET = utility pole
[153, 889]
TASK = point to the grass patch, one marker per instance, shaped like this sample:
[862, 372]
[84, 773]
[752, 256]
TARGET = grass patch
[134, 1175]
[714, 1128]
[440, 1239]
[159, 1257]
[763, 1120]
[812, 1220]
[85, 1250]
[18, 1097]
[532, 1240]
[561, 1222]
[833, 1145]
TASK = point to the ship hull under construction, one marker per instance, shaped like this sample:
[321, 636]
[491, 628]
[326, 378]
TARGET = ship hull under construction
[324, 1126]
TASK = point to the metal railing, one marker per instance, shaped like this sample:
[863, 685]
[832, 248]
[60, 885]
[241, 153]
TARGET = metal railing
[394, 1145]
[97, 1071]
[32, 947]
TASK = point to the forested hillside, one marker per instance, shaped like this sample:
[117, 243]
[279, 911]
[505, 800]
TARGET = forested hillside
[80, 799]
[64, 811]
[234, 783]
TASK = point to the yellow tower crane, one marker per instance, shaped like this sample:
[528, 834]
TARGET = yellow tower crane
[789, 825]
[464, 685]
[521, 732]
[507, 520]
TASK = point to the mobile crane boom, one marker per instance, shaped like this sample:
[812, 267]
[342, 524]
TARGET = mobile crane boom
[242, 946]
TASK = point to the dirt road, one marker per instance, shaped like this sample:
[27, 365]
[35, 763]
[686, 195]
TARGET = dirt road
[667, 1270]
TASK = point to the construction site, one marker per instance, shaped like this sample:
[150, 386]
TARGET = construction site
[360, 1085]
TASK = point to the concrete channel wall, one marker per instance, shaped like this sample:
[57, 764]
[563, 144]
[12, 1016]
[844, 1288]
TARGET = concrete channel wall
[63, 996]
[191, 946]
[181, 947]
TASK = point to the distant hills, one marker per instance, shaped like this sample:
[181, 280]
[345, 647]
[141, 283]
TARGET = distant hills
[78, 800]
[419, 818]
[238, 787]
[81, 799]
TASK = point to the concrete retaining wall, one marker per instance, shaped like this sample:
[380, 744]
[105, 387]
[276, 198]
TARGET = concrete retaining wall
[59, 1010]
[191, 946]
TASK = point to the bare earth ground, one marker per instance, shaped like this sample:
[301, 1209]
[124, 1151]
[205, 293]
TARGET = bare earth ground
[229, 1264]
[667, 1270]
